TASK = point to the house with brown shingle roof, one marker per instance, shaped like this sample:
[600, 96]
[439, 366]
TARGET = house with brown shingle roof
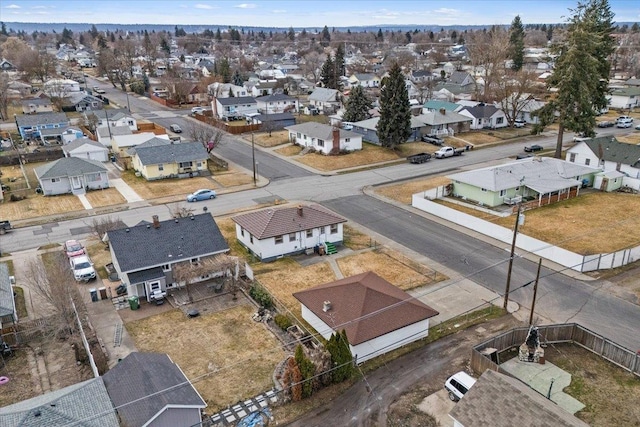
[376, 316]
[272, 233]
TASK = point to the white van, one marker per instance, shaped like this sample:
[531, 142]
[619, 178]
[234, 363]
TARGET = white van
[458, 385]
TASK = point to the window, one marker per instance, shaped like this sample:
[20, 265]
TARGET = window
[242, 231]
[130, 122]
[94, 177]
[347, 140]
[160, 167]
[499, 120]
[292, 237]
[572, 157]
[309, 233]
[298, 135]
[484, 190]
[502, 193]
[320, 143]
[55, 179]
[587, 162]
[194, 260]
[333, 228]
[166, 267]
[199, 165]
[185, 164]
[250, 238]
[278, 240]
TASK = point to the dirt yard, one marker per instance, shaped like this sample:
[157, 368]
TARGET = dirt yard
[402, 192]
[278, 137]
[232, 178]
[166, 187]
[478, 137]
[354, 239]
[632, 138]
[228, 356]
[106, 197]
[369, 155]
[289, 150]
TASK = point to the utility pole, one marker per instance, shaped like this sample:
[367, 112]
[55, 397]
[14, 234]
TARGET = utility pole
[253, 157]
[535, 292]
[513, 250]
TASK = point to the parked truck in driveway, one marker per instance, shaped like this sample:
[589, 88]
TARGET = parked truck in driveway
[448, 152]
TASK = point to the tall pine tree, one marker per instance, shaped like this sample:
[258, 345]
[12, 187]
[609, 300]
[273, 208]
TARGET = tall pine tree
[328, 74]
[581, 72]
[394, 126]
[358, 106]
[339, 61]
[516, 44]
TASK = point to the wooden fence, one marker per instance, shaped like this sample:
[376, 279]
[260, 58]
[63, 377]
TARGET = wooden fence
[553, 334]
[234, 130]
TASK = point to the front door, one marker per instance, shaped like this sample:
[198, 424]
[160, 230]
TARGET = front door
[76, 182]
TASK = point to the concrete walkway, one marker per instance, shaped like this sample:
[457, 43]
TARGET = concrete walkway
[85, 202]
[127, 192]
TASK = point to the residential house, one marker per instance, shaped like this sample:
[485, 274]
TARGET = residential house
[364, 80]
[8, 313]
[115, 117]
[60, 88]
[612, 156]
[150, 390]
[37, 105]
[105, 134]
[443, 123]
[5, 65]
[325, 100]
[84, 148]
[485, 116]
[120, 144]
[18, 89]
[30, 125]
[197, 95]
[632, 83]
[540, 180]
[224, 90]
[71, 175]
[71, 134]
[376, 316]
[276, 103]
[60, 135]
[263, 88]
[146, 254]
[235, 107]
[271, 122]
[521, 107]
[421, 76]
[159, 158]
[324, 138]
[499, 400]
[85, 404]
[273, 233]
[81, 101]
[461, 78]
[206, 67]
[437, 105]
[626, 98]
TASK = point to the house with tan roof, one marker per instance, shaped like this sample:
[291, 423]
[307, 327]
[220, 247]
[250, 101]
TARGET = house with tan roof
[273, 233]
[376, 316]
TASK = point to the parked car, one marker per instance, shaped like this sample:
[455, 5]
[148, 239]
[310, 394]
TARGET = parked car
[448, 152]
[458, 385]
[625, 123]
[175, 128]
[73, 248]
[82, 268]
[197, 110]
[533, 148]
[432, 140]
[96, 89]
[637, 127]
[606, 124]
[203, 194]
[5, 226]
[519, 124]
[624, 119]
[580, 137]
[347, 125]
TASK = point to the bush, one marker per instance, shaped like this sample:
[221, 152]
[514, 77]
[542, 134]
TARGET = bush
[282, 321]
[261, 296]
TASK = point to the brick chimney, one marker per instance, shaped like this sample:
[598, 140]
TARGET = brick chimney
[156, 221]
[336, 139]
[443, 111]
[299, 210]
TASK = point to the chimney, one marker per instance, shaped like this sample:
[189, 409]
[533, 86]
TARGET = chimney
[326, 306]
[156, 221]
[299, 210]
[336, 140]
[443, 111]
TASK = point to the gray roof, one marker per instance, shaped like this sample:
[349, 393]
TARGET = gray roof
[236, 100]
[499, 400]
[78, 97]
[542, 174]
[626, 91]
[77, 143]
[434, 118]
[458, 77]
[36, 101]
[85, 404]
[153, 142]
[611, 150]
[454, 88]
[275, 97]
[144, 384]
[276, 222]
[171, 153]
[105, 131]
[112, 113]
[481, 111]
[274, 117]
[142, 276]
[322, 94]
[69, 166]
[143, 246]
[321, 131]
[632, 82]
[7, 306]
[26, 120]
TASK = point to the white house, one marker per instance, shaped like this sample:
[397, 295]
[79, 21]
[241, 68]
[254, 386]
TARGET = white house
[60, 87]
[235, 107]
[325, 99]
[85, 148]
[376, 316]
[273, 233]
[364, 80]
[276, 103]
[113, 118]
[324, 138]
[121, 143]
[626, 98]
[485, 116]
[71, 175]
[71, 134]
[106, 133]
[223, 90]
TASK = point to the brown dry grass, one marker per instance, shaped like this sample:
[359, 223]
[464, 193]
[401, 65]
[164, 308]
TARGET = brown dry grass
[227, 355]
[478, 137]
[410, 148]
[402, 192]
[37, 205]
[166, 187]
[609, 393]
[370, 154]
[99, 254]
[590, 224]
[284, 282]
[106, 197]
[278, 137]
[632, 138]
[289, 150]
[354, 239]
[232, 178]
[387, 264]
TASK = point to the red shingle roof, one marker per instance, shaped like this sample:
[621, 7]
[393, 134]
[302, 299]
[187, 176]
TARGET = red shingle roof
[365, 305]
[276, 222]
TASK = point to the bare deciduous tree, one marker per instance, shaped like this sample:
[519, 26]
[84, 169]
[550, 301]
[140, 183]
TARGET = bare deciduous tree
[313, 65]
[101, 225]
[181, 211]
[209, 136]
[488, 52]
[4, 96]
[515, 92]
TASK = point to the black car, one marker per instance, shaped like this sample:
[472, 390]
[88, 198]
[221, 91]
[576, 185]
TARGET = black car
[533, 148]
[606, 124]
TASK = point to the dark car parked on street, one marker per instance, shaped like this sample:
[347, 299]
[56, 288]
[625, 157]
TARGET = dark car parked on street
[533, 148]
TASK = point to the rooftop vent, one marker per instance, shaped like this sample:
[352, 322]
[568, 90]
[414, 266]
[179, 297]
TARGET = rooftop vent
[326, 306]
[156, 221]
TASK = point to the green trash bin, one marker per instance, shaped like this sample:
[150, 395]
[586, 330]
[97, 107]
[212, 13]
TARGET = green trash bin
[134, 303]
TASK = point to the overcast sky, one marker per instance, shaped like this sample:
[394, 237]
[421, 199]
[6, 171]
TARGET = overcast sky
[299, 13]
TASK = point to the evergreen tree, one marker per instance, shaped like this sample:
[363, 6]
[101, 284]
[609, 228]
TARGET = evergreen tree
[394, 126]
[325, 36]
[93, 31]
[358, 106]
[237, 78]
[379, 36]
[341, 358]
[581, 73]
[218, 35]
[431, 35]
[549, 32]
[164, 45]
[328, 74]
[223, 70]
[102, 43]
[516, 43]
[291, 34]
[634, 28]
[339, 61]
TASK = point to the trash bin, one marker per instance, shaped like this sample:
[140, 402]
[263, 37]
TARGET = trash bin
[94, 294]
[134, 303]
[103, 292]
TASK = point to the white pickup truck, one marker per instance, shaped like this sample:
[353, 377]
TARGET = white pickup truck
[448, 152]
